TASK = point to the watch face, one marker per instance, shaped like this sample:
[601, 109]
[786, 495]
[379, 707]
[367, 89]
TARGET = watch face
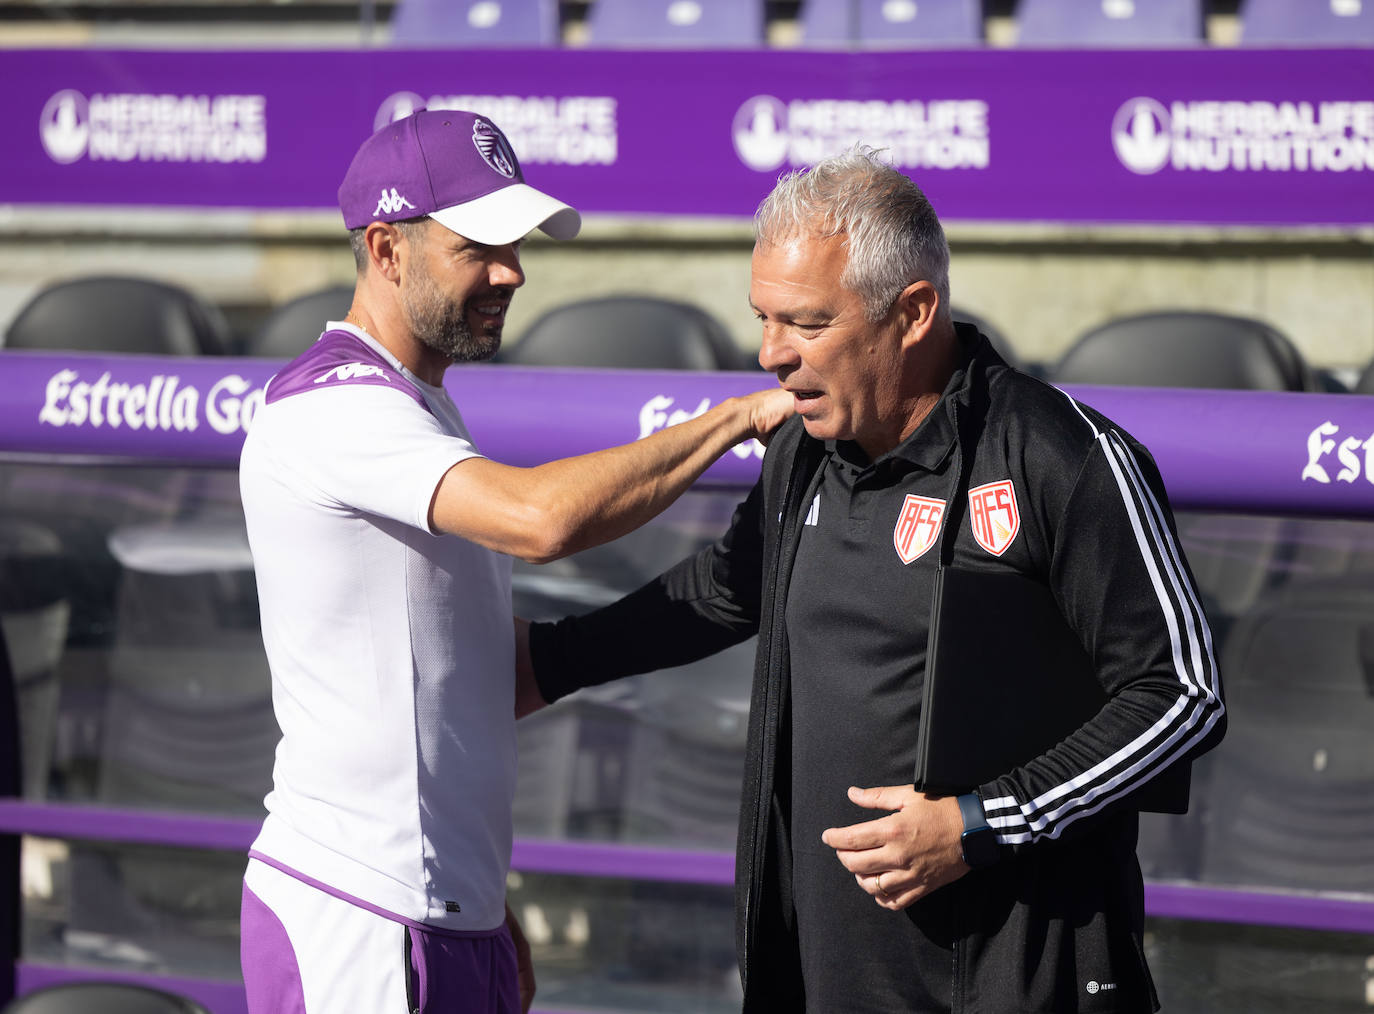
[980, 847]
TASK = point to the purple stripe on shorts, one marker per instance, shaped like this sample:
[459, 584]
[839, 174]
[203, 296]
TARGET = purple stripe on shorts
[271, 976]
[339, 357]
[464, 976]
[320, 885]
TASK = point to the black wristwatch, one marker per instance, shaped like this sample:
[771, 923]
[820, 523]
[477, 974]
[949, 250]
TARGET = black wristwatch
[979, 841]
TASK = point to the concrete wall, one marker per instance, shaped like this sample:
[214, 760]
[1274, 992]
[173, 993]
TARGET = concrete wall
[1040, 286]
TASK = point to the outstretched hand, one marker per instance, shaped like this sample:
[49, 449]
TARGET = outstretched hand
[903, 856]
[768, 410]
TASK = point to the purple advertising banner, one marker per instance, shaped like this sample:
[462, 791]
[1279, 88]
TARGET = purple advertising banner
[1225, 136]
[1260, 452]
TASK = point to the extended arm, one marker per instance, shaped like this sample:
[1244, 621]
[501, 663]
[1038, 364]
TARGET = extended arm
[556, 509]
[706, 603]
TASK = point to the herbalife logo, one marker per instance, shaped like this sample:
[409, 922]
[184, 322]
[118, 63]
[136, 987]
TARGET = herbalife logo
[568, 130]
[397, 106]
[138, 127]
[760, 133]
[1244, 136]
[391, 202]
[1140, 135]
[945, 134]
[65, 126]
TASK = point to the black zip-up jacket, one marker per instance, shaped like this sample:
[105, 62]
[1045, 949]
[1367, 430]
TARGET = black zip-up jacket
[1057, 924]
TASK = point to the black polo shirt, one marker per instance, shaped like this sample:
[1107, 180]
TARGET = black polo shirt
[857, 621]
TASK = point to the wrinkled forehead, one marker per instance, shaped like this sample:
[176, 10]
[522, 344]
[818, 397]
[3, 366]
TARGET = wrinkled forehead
[801, 250]
[803, 268]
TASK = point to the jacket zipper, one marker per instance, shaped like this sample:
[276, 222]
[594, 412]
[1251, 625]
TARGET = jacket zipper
[771, 706]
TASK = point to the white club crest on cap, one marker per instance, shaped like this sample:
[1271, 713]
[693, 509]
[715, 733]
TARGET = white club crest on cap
[494, 148]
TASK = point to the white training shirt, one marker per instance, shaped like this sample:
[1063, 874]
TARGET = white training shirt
[391, 647]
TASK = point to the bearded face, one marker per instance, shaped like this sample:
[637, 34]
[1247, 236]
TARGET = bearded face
[456, 293]
[441, 321]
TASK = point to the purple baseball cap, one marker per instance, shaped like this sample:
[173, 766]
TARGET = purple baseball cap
[457, 168]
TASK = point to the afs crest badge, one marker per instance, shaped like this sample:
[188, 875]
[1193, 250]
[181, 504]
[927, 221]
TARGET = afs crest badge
[918, 525]
[994, 516]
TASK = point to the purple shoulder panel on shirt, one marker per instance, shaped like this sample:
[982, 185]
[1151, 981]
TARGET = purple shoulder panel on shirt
[339, 357]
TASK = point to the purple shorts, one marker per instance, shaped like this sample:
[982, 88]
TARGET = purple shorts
[305, 951]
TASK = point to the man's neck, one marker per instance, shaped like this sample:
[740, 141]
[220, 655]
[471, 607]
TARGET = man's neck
[391, 332]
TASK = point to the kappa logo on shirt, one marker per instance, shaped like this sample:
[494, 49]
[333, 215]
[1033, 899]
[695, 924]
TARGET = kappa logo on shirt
[918, 526]
[352, 371]
[994, 516]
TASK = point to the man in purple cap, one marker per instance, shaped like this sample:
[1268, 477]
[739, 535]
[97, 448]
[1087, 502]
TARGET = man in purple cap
[382, 540]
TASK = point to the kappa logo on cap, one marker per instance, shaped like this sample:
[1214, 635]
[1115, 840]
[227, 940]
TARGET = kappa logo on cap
[494, 148]
[391, 203]
[918, 526]
[994, 516]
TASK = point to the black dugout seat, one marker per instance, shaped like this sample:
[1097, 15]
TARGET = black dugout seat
[1186, 348]
[109, 313]
[291, 328]
[632, 332]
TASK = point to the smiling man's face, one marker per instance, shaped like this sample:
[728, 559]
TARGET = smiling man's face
[456, 302]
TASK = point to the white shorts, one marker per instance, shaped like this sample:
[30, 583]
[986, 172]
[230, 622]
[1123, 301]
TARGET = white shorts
[305, 951]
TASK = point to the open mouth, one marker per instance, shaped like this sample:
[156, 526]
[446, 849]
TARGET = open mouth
[493, 312]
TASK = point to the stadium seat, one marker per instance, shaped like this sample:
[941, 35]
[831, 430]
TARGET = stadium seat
[35, 613]
[188, 713]
[713, 23]
[1109, 22]
[994, 335]
[633, 332]
[1195, 349]
[1290, 791]
[186, 725]
[1186, 348]
[119, 314]
[1307, 22]
[10, 772]
[1365, 383]
[892, 23]
[102, 998]
[686, 760]
[292, 327]
[475, 23]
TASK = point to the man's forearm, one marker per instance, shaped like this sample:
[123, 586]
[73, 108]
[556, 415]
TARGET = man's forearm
[607, 493]
[556, 509]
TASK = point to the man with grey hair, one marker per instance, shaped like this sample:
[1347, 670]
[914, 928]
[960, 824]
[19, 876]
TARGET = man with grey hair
[917, 449]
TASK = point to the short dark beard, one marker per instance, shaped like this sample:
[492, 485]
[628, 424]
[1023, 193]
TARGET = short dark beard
[442, 325]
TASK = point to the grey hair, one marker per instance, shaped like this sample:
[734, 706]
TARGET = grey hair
[410, 229]
[891, 231]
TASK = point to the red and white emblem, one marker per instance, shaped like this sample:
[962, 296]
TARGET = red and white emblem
[994, 516]
[918, 526]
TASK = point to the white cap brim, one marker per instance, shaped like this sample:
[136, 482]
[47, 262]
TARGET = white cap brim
[508, 214]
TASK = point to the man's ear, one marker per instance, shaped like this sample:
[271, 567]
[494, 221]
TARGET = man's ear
[383, 241]
[919, 302]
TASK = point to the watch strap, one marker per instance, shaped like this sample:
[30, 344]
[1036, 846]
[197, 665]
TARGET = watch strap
[971, 810]
[979, 841]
